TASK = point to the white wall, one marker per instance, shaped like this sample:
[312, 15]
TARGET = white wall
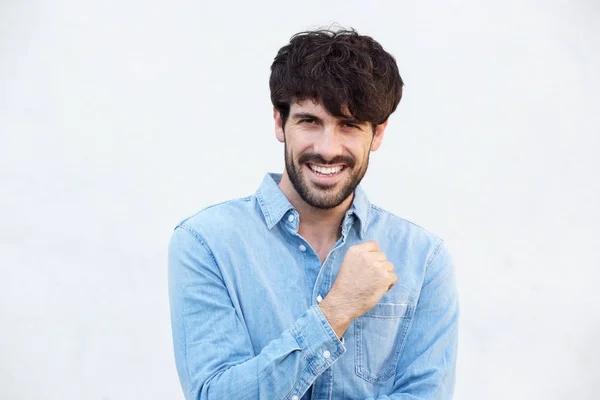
[118, 119]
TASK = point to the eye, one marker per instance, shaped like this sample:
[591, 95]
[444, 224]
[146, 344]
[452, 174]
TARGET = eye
[307, 121]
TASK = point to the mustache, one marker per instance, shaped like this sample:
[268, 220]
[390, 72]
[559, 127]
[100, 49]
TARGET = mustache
[311, 158]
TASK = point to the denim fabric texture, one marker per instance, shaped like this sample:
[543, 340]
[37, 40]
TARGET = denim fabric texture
[244, 290]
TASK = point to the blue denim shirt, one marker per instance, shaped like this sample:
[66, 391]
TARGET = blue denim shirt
[244, 289]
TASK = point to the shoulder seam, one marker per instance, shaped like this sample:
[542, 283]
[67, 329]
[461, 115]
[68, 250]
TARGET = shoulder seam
[214, 205]
[406, 220]
[201, 241]
[436, 251]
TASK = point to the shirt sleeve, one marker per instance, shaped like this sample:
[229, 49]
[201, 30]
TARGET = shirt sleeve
[426, 370]
[213, 351]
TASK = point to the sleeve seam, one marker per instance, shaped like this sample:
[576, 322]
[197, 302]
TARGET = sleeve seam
[197, 238]
[432, 258]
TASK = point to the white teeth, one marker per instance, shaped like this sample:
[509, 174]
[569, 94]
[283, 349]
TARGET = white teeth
[325, 170]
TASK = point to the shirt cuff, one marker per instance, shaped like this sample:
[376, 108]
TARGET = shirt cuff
[318, 341]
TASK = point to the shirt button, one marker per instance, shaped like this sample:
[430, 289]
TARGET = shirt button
[302, 247]
[326, 354]
[291, 218]
[319, 299]
[294, 397]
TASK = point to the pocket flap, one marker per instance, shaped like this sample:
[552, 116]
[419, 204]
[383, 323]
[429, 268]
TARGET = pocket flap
[391, 310]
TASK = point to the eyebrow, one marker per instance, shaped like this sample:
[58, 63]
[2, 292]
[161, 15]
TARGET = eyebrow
[305, 115]
[298, 116]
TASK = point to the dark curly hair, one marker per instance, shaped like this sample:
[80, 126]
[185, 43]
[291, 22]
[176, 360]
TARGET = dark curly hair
[339, 69]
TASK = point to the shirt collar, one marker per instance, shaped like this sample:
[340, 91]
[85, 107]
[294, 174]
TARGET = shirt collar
[274, 205]
[361, 207]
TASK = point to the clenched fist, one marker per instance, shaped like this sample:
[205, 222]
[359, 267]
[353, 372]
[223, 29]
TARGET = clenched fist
[363, 279]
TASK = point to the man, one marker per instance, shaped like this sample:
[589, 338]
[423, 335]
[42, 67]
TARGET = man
[306, 290]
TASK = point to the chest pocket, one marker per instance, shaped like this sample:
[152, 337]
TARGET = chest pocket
[379, 337]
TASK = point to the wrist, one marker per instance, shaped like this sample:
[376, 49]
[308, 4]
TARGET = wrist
[336, 317]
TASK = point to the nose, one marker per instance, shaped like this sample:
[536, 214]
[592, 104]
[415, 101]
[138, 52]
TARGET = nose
[328, 143]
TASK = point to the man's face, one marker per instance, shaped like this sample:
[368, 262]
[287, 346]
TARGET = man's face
[325, 157]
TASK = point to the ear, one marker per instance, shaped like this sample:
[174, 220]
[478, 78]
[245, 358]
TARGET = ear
[278, 125]
[378, 137]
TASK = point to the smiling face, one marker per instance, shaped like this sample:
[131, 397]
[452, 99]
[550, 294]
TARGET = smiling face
[326, 157]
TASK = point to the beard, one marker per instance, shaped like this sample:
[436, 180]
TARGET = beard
[318, 195]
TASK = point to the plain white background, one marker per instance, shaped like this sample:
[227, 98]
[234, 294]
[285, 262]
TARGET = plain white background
[120, 118]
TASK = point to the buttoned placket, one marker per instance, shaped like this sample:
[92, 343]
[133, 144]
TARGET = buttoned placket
[323, 385]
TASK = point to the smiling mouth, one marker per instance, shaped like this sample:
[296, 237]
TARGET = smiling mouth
[326, 171]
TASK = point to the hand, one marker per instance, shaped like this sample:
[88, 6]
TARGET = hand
[364, 277]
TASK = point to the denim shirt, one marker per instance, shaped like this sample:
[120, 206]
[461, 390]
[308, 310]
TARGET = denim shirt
[244, 289]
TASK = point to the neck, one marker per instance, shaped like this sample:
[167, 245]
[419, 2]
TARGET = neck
[322, 226]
